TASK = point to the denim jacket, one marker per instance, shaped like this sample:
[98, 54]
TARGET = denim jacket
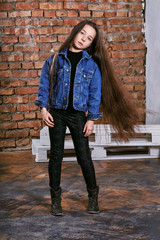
[87, 85]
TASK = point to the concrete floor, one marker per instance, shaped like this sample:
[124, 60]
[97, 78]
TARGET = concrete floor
[129, 201]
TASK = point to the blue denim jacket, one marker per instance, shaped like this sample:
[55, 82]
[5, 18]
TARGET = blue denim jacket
[87, 85]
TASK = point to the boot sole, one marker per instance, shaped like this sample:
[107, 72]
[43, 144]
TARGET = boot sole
[93, 212]
[57, 214]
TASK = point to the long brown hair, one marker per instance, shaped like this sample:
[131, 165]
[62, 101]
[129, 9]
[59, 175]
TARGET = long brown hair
[115, 103]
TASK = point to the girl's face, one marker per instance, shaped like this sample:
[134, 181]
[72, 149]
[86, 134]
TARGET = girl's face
[83, 39]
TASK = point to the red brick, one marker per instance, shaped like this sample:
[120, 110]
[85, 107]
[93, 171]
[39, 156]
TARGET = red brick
[31, 57]
[110, 14]
[137, 62]
[32, 98]
[17, 117]
[6, 6]
[22, 142]
[137, 6]
[15, 65]
[7, 23]
[39, 115]
[17, 134]
[49, 14]
[121, 21]
[50, 22]
[29, 107]
[116, 6]
[61, 39]
[12, 83]
[139, 87]
[34, 132]
[71, 22]
[61, 13]
[32, 5]
[26, 48]
[72, 13]
[29, 124]
[85, 14]
[37, 13]
[25, 73]
[9, 39]
[97, 14]
[32, 82]
[2, 135]
[120, 63]
[6, 73]
[45, 47]
[19, 99]
[122, 13]
[24, 22]
[101, 6]
[3, 66]
[8, 91]
[3, 58]
[134, 46]
[15, 58]
[8, 143]
[7, 108]
[135, 14]
[24, 39]
[7, 48]
[5, 117]
[16, 31]
[27, 65]
[38, 65]
[19, 14]
[9, 125]
[3, 14]
[61, 30]
[30, 115]
[134, 79]
[41, 31]
[49, 5]
[27, 90]
[43, 39]
[123, 54]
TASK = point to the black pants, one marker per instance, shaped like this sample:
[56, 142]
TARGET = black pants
[75, 122]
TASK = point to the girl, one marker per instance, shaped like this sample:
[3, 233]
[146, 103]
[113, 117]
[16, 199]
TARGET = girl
[73, 84]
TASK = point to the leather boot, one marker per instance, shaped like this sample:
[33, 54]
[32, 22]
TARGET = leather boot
[56, 208]
[93, 200]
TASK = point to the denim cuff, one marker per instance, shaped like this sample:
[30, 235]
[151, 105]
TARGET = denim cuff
[41, 104]
[92, 116]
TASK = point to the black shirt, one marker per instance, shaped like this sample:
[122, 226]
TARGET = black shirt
[74, 58]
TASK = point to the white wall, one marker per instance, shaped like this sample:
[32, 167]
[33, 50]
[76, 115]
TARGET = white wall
[152, 34]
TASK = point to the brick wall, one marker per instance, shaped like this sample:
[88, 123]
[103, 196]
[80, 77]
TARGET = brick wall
[30, 30]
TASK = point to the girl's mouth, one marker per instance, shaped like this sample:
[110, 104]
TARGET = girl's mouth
[80, 43]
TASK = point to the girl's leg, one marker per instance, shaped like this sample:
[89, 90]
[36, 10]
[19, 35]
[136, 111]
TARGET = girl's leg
[76, 125]
[57, 135]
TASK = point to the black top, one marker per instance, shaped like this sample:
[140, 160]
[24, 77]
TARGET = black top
[74, 58]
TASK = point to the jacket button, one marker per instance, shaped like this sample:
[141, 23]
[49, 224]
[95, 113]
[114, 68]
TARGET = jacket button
[64, 98]
[67, 70]
[66, 84]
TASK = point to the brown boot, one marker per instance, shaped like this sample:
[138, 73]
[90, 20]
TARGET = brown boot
[56, 208]
[93, 200]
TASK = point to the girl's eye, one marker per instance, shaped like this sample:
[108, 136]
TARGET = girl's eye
[82, 32]
[89, 39]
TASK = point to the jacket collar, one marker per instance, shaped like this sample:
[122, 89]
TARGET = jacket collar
[85, 54]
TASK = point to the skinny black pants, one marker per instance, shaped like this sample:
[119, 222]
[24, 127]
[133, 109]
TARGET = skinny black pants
[75, 122]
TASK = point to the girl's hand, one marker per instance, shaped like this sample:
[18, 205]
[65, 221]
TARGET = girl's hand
[88, 128]
[47, 117]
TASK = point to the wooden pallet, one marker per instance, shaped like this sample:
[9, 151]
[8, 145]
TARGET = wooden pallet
[104, 146]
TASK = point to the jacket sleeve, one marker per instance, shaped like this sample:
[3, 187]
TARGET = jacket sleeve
[95, 96]
[44, 86]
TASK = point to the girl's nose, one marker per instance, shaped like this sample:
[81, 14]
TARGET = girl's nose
[83, 39]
